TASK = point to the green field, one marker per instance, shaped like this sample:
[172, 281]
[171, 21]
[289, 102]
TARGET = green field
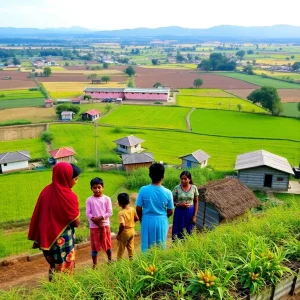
[35, 147]
[244, 125]
[204, 93]
[258, 80]
[223, 103]
[20, 98]
[147, 116]
[19, 202]
[290, 110]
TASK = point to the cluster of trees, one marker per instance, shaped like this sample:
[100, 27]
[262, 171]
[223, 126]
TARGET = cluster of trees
[135, 51]
[130, 71]
[217, 62]
[296, 66]
[67, 107]
[104, 78]
[248, 70]
[268, 98]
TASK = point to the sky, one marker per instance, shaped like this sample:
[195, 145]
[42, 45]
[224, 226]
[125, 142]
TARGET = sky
[122, 14]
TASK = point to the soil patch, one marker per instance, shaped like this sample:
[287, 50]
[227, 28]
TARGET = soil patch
[18, 80]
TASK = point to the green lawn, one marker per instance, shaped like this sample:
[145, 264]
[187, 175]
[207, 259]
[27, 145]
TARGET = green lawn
[223, 103]
[290, 110]
[35, 147]
[258, 80]
[4, 104]
[204, 93]
[244, 125]
[147, 116]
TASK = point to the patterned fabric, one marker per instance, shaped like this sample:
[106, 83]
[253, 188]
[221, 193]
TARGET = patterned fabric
[100, 238]
[61, 255]
[185, 197]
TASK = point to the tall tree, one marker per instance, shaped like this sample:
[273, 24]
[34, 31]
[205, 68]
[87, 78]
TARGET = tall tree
[197, 82]
[105, 65]
[105, 78]
[240, 54]
[155, 61]
[158, 84]
[47, 71]
[130, 71]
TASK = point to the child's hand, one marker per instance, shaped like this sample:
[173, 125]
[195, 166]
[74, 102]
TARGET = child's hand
[97, 220]
[118, 237]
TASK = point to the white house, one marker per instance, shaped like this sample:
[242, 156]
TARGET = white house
[196, 159]
[14, 161]
[67, 115]
[129, 144]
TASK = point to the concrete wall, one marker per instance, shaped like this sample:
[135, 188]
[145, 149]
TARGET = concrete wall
[15, 166]
[255, 177]
[130, 150]
[10, 133]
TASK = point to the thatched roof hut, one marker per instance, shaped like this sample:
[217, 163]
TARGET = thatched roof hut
[223, 199]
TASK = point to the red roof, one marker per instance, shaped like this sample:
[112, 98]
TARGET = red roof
[62, 152]
[93, 112]
[48, 101]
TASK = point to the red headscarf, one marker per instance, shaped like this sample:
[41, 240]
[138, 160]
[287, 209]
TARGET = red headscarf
[56, 208]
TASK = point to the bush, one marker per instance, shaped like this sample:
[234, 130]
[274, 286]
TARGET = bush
[157, 102]
[2, 95]
[88, 97]
[33, 89]
[47, 137]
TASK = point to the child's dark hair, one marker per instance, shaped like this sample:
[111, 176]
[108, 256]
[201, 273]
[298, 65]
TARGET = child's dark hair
[188, 175]
[96, 180]
[76, 171]
[156, 172]
[123, 198]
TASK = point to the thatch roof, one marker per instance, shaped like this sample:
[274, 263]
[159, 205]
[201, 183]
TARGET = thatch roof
[230, 197]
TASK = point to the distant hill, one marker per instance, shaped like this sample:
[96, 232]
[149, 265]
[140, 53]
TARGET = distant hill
[222, 31]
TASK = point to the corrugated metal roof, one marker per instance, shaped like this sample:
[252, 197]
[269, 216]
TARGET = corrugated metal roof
[199, 155]
[262, 158]
[62, 152]
[93, 112]
[137, 158]
[16, 156]
[151, 91]
[130, 140]
[104, 90]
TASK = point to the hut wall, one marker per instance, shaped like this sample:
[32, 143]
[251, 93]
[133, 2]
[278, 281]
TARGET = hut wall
[255, 178]
[131, 167]
[207, 215]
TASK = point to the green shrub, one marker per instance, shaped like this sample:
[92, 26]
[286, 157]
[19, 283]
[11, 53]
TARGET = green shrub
[33, 89]
[47, 137]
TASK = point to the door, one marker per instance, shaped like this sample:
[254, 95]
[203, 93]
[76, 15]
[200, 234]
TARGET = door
[268, 180]
[0, 169]
[188, 164]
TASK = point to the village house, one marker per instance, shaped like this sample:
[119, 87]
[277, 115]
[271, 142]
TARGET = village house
[65, 154]
[129, 144]
[91, 115]
[95, 80]
[67, 115]
[76, 100]
[222, 200]
[196, 159]
[263, 170]
[137, 160]
[62, 101]
[48, 103]
[14, 161]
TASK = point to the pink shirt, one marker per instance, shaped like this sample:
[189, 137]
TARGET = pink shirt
[98, 207]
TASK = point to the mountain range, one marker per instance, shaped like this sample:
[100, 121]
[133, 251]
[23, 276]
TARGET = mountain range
[222, 31]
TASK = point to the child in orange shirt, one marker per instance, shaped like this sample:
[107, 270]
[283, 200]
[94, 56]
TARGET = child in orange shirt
[127, 218]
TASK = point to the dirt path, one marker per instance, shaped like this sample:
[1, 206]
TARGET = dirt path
[187, 120]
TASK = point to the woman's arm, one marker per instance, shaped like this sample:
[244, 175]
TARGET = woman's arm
[76, 222]
[139, 211]
[169, 212]
[196, 205]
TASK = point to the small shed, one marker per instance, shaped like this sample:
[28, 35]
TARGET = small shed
[67, 115]
[63, 101]
[91, 115]
[196, 159]
[48, 103]
[97, 81]
[76, 100]
[129, 144]
[65, 154]
[222, 200]
[14, 161]
[137, 160]
[263, 170]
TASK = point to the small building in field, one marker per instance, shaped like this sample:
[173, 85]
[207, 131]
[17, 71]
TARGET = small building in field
[65, 154]
[137, 160]
[91, 115]
[48, 103]
[159, 94]
[97, 81]
[129, 144]
[14, 161]
[67, 115]
[76, 100]
[222, 200]
[194, 160]
[263, 170]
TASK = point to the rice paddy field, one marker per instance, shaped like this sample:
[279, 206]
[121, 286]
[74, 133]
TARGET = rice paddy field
[74, 89]
[258, 80]
[291, 110]
[204, 93]
[147, 116]
[20, 98]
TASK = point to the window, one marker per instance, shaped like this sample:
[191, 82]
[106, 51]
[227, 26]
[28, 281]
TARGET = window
[5, 165]
[279, 178]
[123, 147]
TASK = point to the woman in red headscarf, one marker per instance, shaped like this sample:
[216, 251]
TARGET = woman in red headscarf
[55, 215]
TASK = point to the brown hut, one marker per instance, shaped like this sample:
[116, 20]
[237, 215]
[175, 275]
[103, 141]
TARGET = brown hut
[221, 200]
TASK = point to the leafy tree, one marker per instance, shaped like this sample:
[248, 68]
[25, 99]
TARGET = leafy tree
[88, 97]
[105, 78]
[92, 76]
[67, 107]
[105, 65]
[217, 62]
[296, 66]
[240, 54]
[157, 84]
[197, 82]
[268, 98]
[155, 61]
[180, 57]
[293, 56]
[205, 65]
[298, 106]
[130, 71]
[47, 137]
[47, 71]
[16, 61]
[250, 52]
[67, 64]
[239, 106]
[130, 83]
[248, 70]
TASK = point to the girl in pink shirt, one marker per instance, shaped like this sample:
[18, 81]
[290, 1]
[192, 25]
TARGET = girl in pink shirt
[98, 211]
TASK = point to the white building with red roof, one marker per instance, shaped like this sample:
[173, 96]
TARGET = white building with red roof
[91, 115]
[65, 154]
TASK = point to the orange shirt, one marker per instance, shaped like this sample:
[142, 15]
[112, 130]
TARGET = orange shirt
[126, 217]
